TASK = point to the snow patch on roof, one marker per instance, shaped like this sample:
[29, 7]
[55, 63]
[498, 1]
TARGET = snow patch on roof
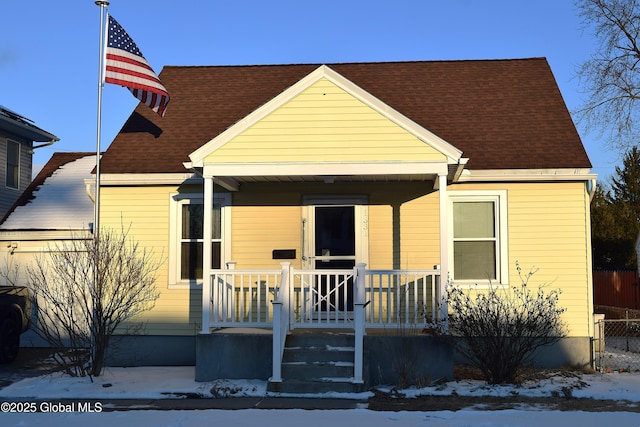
[60, 203]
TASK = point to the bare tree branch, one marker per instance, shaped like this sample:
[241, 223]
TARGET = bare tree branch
[610, 76]
[78, 312]
[500, 329]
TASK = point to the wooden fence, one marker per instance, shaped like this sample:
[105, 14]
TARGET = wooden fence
[616, 288]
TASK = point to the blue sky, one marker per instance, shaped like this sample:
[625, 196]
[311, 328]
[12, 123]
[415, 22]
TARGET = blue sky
[49, 50]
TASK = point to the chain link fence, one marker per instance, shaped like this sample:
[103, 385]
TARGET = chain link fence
[617, 345]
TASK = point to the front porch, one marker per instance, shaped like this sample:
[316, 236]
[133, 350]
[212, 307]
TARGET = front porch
[251, 317]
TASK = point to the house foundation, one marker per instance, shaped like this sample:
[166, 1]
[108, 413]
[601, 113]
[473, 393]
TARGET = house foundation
[388, 359]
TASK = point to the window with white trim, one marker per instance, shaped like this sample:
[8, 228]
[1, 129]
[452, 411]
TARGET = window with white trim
[479, 237]
[12, 177]
[186, 251]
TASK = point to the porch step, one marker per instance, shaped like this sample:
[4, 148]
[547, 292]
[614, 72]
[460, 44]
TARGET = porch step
[317, 363]
[314, 387]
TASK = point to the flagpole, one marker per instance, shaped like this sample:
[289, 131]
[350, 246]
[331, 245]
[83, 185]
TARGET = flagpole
[103, 35]
[96, 203]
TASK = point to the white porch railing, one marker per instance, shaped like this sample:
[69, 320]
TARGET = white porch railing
[241, 298]
[350, 299]
[402, 298]
[323, 298]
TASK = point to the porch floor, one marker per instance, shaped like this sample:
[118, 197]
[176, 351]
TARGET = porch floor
[324, 331]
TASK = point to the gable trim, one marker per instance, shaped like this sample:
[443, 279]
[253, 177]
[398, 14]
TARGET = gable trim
[25, 235]
[453, 154]
[146, 179]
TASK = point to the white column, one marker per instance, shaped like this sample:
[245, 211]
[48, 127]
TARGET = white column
[206, 253]
[445, 218]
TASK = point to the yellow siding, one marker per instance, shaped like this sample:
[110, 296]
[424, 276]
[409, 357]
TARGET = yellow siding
[146, 211]
[381, 247]
[324, 123]
[548, 226]
[253, 241]
[269, 216]
[264, 220]
[548, 230]
[421, 232]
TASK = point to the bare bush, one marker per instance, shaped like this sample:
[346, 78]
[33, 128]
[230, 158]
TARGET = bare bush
[499, 329]
[87, 288]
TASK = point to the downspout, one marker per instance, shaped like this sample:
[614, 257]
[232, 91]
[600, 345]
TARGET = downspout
[89, 190]
[591, 188]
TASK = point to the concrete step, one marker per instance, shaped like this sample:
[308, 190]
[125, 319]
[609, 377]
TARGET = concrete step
[317, 371]
[310, 355]
[322, 340]
[294, 386]
[317, 363]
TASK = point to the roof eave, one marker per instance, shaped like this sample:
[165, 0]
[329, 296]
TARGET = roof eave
[550, 174]
[26, 131]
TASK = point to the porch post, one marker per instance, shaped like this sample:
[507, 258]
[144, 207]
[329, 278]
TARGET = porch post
[206, 253]
[445, 218]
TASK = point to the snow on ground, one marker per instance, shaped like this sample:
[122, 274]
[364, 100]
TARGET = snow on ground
[320, 418]
[166, 382]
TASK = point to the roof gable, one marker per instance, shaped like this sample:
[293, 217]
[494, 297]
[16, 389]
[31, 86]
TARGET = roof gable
[325, 118]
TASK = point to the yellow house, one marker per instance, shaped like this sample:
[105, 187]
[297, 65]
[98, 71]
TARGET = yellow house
[293, 200]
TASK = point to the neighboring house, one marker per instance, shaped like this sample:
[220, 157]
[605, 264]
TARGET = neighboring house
[347, 197]
[53, 209]
[17, 137]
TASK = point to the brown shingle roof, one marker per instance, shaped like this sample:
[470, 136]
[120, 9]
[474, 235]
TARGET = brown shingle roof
[503, 114]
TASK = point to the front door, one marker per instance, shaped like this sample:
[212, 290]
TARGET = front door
[335, 248]
[333, 235]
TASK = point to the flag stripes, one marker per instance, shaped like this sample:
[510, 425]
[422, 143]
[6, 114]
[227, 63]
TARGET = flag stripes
[126, 66]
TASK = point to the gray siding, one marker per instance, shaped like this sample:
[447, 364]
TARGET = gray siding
[8, 196]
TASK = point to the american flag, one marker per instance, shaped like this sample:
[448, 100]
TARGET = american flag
[125, 66]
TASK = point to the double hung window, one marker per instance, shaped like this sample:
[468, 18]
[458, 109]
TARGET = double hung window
[187, 248]
[12, 177]
[479, 237]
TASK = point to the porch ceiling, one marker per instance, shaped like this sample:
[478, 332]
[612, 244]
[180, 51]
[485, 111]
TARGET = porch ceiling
[232, 176]
[234, 183]
[329, 179]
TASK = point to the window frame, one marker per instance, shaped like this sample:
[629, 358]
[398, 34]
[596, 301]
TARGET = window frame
[17, 165]
[178, 200]
[499, 200]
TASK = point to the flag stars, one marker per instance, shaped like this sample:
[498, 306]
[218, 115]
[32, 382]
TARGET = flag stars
[119, 38]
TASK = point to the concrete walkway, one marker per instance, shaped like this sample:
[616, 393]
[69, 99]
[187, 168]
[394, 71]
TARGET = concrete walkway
[230, 403]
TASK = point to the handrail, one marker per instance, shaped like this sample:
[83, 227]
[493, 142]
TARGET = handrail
[281, 320]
